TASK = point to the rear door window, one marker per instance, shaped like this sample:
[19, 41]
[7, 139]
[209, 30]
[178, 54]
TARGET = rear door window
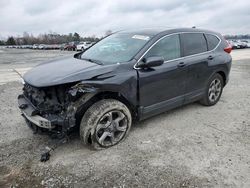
[212, 41]
[193, 43]
[168, 48]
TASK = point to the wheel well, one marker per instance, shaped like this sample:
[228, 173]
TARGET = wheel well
[103, 95]
[223, 76]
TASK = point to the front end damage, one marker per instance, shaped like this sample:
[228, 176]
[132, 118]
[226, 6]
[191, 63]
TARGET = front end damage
[53, 108]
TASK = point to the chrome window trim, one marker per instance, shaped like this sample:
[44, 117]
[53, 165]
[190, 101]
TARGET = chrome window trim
[180, 57]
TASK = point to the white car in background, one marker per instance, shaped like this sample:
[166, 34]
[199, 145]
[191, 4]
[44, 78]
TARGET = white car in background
[35, 46]
[83, 45]
[235, 44]
[246, 42]
[41, 46]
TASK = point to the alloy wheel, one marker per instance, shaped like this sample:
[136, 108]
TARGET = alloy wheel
[111, 128]
[214, 90]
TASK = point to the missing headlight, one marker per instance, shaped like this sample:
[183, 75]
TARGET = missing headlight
[78, 90]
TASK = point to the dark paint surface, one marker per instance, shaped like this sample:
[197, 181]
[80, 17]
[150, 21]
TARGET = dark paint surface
[64, 71]
[162, 83]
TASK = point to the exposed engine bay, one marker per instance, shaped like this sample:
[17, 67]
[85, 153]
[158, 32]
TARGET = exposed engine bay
[47, 100]
[52, 108]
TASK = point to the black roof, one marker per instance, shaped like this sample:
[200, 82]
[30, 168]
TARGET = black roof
[144, 31]
[156, 31]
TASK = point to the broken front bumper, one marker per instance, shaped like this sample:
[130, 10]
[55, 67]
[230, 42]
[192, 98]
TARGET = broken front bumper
[31, 114]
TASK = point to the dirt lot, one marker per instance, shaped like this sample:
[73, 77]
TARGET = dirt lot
[192, 146]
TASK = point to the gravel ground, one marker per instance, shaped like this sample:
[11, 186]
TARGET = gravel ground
[13, 58]
[191, 146]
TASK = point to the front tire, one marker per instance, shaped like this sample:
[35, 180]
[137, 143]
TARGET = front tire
[213, 90]
[105, 124]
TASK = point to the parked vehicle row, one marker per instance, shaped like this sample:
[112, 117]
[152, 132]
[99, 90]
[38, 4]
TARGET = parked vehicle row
[46, 46]
[37, 46]
[239, 44]
[71, 46]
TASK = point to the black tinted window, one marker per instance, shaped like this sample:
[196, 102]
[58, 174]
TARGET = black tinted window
[168, 48]
[193, 43]
[212, 41]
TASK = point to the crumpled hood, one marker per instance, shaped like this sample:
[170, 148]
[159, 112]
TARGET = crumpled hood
[64, 71]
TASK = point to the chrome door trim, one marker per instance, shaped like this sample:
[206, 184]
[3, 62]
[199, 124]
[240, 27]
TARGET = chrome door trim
[180, 57]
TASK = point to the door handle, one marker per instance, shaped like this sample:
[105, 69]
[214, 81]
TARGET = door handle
[210, 57]
[181, 64]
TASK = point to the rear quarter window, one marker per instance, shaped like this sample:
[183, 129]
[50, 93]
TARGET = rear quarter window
[193, 43]
[212, 41]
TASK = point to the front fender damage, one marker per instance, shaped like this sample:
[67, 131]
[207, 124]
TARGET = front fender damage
[79, 90]
[78, 95]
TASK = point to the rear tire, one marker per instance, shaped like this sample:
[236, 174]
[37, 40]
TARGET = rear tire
[213, 90]
[105, 124]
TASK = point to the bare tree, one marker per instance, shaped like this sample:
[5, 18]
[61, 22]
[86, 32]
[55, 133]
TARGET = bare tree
[11, 41]
[49, 38]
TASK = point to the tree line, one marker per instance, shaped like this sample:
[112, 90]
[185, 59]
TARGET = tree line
[55, 38]
[47, 38]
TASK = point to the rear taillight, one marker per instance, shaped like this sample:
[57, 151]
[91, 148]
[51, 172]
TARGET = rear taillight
[228, 49]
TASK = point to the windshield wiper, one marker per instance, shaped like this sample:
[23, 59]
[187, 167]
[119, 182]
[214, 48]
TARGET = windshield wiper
[93, 61]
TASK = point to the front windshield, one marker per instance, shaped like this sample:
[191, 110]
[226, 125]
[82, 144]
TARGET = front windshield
[116, 48]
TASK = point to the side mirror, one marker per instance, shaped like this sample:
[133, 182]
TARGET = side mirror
[78, 54]
[151, 62]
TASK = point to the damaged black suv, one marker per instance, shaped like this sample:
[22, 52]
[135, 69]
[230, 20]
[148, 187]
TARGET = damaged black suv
[127, 76]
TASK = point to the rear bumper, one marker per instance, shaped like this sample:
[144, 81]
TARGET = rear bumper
[29, 112]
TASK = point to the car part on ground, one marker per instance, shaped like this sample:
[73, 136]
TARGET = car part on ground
[45, 156]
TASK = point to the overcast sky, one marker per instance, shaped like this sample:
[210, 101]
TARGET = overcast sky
[88, 17]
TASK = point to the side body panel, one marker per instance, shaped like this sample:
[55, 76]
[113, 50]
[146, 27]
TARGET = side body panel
[161, 88]
[198, 73]
[165, 87]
